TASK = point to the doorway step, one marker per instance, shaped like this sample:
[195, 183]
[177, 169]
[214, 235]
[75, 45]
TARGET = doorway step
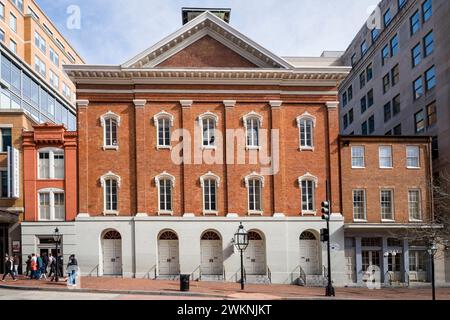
[315, 281]
[212, 278]
[258, 279]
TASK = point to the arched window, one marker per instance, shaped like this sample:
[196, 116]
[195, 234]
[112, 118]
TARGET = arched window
[308, 184]
[110, 123]
[254, 183]
[208, 123]
[111, 185]
[306, 124]
[163, 122]
[307, 235]
[51, 205]
[210, 236]
[50, 163]
[112, 235]
[165, 183]
[253, 123]
[210, 182]
[168, 235]
[253, 235]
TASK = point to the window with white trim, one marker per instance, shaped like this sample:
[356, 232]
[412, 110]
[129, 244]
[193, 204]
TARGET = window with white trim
[308, 191]
[111, 184]
[51, 164]
[39, 66]
[51, 205]
[4, 183]
[385, 157]
[208, 123]
[358, 157]
[414, 205]
[359, 205]
[110, 123]
[165, 184]
[210, 183]
[253, 123]
[163, 122]
[386, 204]
[413, 157]
[306, 124]
[13, 22]
[254, 184]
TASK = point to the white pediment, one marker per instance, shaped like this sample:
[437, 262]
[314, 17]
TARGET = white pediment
[207, 24]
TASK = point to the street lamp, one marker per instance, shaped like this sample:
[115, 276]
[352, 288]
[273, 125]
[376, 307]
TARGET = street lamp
[432, 250]
[57, 237]
[241, 242]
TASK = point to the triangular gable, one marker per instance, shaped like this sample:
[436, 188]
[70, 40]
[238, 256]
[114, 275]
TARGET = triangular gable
[209, 30]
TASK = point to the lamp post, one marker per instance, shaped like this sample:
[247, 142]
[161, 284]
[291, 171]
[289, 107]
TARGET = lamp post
[432, 250]
[241, 242]
[57, 238]
[326, 206]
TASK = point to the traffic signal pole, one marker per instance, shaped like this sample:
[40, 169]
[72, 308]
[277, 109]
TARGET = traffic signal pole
[326, 210]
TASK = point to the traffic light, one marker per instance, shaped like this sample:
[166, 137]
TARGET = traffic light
[325, 210]
[324, 235]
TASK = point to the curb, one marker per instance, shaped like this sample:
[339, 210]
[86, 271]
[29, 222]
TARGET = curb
[125, 292]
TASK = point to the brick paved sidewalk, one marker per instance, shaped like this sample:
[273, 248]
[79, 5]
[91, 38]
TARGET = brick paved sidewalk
[228, 290]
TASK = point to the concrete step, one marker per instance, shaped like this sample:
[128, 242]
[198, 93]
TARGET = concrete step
[315, 281]
[168, 277]
[211, 278]
[257, 279]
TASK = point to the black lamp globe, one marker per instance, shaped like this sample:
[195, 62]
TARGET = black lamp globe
[241, 240]
[57, 235]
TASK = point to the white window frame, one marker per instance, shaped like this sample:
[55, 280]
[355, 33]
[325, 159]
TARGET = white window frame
[171, 178]
[51, 163]
[110, 176]
[110, 116]
[216, 179]
[365, 205]
[54, 79]
[12, 26]
[363, 157]
[163, 115]
[215, 119]
[309, 178]
[383, 219]
[408, 157]
[13, 45]
[380, 148]
[51, 192]
[253, 116]
[300, 120]
[248, 179]
[419, 191]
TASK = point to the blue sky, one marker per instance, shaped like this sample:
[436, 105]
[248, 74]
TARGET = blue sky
[113, 31]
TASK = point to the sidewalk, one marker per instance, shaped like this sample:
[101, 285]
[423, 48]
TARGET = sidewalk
[224, 290]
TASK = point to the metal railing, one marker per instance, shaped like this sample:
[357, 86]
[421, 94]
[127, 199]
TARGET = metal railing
[302, 276]
[224, 273]
[269, 274]
[325, 272]
[199, 269]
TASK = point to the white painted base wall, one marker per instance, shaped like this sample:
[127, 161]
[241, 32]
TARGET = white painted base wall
[140, 243]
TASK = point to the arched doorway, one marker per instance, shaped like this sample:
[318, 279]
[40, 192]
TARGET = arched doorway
[309, 253]
[211, 253]
[168, 254]
[255, 255]
[112, 253]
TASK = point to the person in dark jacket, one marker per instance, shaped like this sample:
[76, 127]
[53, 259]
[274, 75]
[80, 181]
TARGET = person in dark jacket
[28, 263]
[45, 262]
[16, 262]
[72, 270]
[9, 268]
[60, 265]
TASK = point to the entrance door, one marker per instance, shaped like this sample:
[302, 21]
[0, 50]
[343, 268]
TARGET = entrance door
[309, 254]
[255, 255]
[3, 245]
[112, 254]
[168, 254]
[211, 254]
[418, 265]
[395, 268]
[370, 259]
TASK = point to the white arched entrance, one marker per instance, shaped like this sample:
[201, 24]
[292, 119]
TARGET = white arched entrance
[112, 253]
[255, 255]
[168, 254]
[211, 254]
[310, 253]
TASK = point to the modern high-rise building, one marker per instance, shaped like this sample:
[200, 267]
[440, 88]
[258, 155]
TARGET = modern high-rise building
[33, 89]
[399, 83]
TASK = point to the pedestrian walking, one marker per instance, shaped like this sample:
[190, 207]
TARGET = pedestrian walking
[34, 267]
[28, 263]
[9, 268]
[45, 262]
[60, 266]
[50, 261]
[16, 262]
[72, 270]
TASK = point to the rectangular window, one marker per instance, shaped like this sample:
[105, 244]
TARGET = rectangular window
[387, 18]
[254, 193]
[58, 162]
[370, 100]
[430, 78]
[364, 48]
[415, 22]
[12, 45]
[210, 195]
[416, 55]
[386, 83]
[394, 45]
[428, 44]
[253, 132]
[6, 139]
[362, 80]
[2, 11]
[385, 157]
[363, 104]
[59, 205]
[353, 59]
[44, 165]
[54, 79]
[209, 129]
[418, 88]
[306, 133]
[375, 33]
[350, 116]
[387, 112]
[413, 157]
[431, 114]
[39, 66]
[384, 54]
[372, 124]
[164, 132]
[350, 93]
[13, 22]
[18, 4]
[396, 105]
[414, 206]
[401, 4]
[2, 35]
[427, 10]
[44, 206]
[344, 99]
[345, 121]
[54, 57]
[308, 187]
[359, 205]
[32, 13]
[4, 184]
[398, 130]
[419, 120]
[111, 195]
[369, 72]
[364, 129]
[386, 203]
[395, 75]
[358, 157]
[40, 42]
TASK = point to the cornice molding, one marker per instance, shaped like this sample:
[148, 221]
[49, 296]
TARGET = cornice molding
[139, 103]
[186, 103]
[82, 103]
